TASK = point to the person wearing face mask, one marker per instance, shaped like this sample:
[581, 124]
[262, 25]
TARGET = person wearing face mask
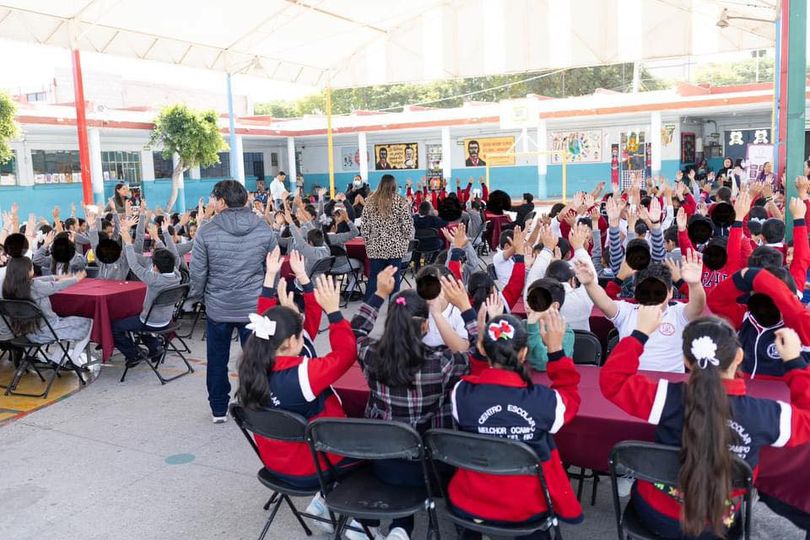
[227, 271]
[357, 187]
[653, 287]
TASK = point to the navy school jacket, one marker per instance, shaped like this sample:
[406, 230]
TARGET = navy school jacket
[500, 403]
[303, 385]
[756, 422]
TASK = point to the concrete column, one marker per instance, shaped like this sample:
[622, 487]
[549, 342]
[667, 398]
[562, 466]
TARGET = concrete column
[655, 142]
[542, 159]
[96, 175]
[25, 167]
[147, 166]
[240, 161]
[362, 145]
[180, 205]
[291, 171]
[194, 173]
[524, 137]
[447, 155]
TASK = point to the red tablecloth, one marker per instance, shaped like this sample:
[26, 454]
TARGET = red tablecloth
[103, 301]
[356, 249]
[599, 425]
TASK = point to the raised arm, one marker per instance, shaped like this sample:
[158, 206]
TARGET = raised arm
[587, 277]
[691, 272]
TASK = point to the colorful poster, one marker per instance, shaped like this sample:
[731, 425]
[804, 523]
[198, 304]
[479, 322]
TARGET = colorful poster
[756, 156]
[396, 156]
[614, 167]
[737, 141]
[476, 151]
[633, 156]
[687, 148]
[580, 146]
[434, 163]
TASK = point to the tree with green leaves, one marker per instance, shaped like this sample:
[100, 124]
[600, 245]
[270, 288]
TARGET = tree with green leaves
[193, 135]
[8, 128]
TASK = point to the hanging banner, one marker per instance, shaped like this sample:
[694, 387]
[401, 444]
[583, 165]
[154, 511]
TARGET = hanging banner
[396, 156]
[434, 164]
[580, 146]
[477, 150]
[614, 167]
[756, 156]
[648, 158]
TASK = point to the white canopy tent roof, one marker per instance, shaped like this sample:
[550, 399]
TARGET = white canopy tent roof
[368, 42]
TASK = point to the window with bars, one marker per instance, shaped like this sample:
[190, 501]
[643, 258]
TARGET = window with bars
[8, 171]
[56, 166]
[120, 166]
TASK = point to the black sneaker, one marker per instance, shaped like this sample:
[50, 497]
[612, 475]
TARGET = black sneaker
[157, 355]
[132, 362]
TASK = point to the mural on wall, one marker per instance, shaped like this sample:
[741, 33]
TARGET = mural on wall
[581, 146]
[396, 156]
[737, 141]
[667, 134]
[687, 148]
[476, 151]
[350, 158]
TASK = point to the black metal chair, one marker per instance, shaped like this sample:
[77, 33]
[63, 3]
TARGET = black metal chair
[587, 349]
[407, 263]
[492, 273]
[322, 266]
[342, 269]
[429, 244]
[24, 312]
[613, 340]
[361, 495]
[496, 456]
[658, 463]
[173, 296]
[277, 425]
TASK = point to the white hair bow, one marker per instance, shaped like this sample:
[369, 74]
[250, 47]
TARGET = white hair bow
[704, 349]
[262, 327]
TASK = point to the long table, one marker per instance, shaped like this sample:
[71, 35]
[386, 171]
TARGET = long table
[103, 301]
[588, 439]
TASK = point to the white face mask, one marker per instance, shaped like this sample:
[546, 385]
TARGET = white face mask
[358, 183]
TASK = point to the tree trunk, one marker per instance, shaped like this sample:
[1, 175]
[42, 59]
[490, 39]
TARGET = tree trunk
[177, 174]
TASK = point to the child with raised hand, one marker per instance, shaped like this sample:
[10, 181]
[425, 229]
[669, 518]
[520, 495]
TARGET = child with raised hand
[698, 416]
[274, 374]
[269, 297]
[409, 381]
[502, 401]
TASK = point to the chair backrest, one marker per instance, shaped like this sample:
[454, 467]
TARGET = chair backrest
[587, 348]
[172, 296]
[275, 424]
[92, 271]
[491, 271]
[364, 439]
[22, 311]
[654, 462]
[322, 266]
[481, 453]
[185, 275]
[427, 233]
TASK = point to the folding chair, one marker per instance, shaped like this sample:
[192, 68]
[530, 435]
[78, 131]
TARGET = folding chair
[322, 266]
[173, 296]
[361, 495]
[407, 261]
[277, 425]
[492, 273]
[496, 456]
[658, 463]
[26, 311]
[427, 240]
[342, 261]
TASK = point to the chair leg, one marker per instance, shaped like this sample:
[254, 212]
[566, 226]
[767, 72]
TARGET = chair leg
[297, 515]
[595, 486]
[341, 524]
[271, 500]
[271, 518]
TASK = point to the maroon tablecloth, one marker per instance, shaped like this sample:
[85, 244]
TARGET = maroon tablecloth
[103, 301]
[599, 425]
[356, 249]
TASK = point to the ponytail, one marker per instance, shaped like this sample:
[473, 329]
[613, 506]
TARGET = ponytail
[400, 351]
[504, 338]
[259, 357]
[710, 346]
[479, 287]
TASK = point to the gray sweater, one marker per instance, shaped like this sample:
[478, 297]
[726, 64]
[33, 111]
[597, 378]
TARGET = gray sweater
[227, 263]
[155, 284]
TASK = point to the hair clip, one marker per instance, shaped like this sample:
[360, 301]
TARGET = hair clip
[262, 327]
[400, 301]
[704, 350]
[503, 330]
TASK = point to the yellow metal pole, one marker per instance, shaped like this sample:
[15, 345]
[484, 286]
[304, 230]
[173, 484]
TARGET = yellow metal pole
[329, 146]
[565, 176]
[487, 174]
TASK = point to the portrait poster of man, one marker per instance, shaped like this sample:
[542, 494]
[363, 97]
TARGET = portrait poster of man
[396, 156]
[477, 150]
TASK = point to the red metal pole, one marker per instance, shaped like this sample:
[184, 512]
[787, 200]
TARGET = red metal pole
[781, 129]
[81, 127]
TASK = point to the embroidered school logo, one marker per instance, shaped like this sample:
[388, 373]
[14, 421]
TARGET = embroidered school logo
[772, 352]
[667, 329]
